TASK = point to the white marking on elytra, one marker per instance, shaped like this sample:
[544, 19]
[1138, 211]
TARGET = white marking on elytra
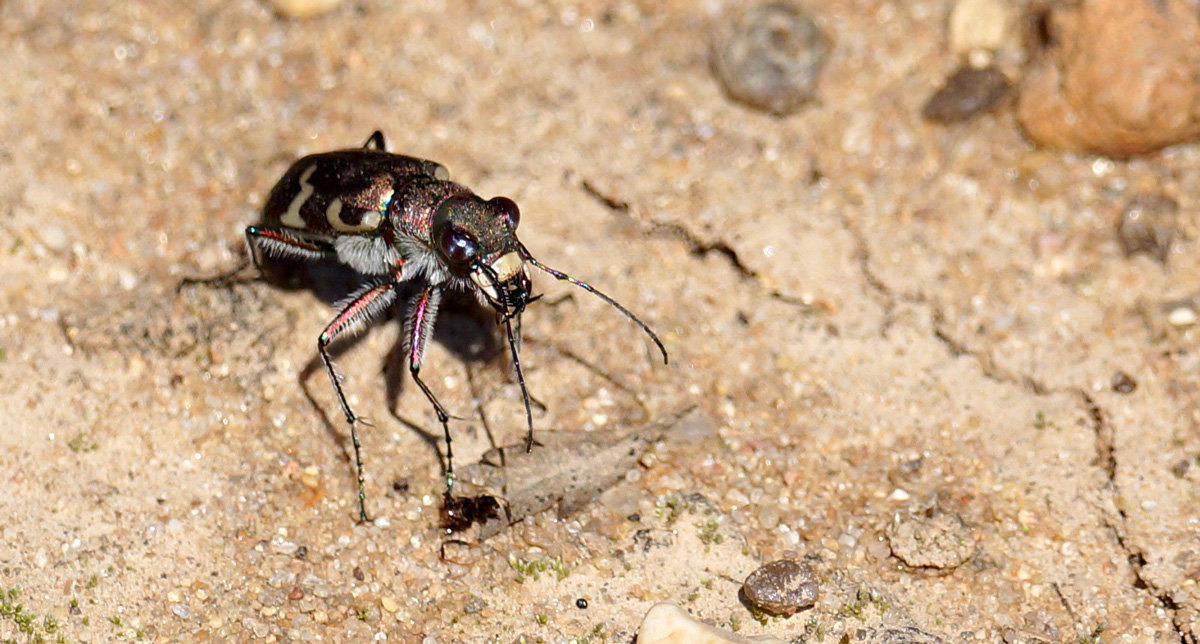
[370, 219]
[333, 214]
[441, 173]
[292, 218]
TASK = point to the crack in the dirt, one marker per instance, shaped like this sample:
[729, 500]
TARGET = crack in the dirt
[696, 246]
[1105, 439]
[1105, 458]
[1102, 428]
[1106, 453]
[609, 201]
[1137, 564]
[699, 248]
[862, 255]
[987, 364]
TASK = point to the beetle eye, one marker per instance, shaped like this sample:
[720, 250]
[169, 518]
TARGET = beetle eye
[507, 209]
[457, 246]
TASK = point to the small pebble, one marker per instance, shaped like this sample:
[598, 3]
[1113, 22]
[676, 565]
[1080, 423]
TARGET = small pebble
[53, 236]
[1182, 314]
[304, 8]
[768, 517]
[283, 546]
[1147, 225]
[968, 92]
[279, 578]
[979, 25]
[782, 587]
[1123, 383]
[769, 56]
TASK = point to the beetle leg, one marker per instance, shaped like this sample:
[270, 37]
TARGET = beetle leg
[420, 328]
[375, 142]
[361, 308]
[280, 242]
[514, 346]
[260, 239]
[223, 280]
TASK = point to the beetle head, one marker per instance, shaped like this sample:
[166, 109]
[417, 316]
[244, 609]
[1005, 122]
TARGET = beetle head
[478, 239]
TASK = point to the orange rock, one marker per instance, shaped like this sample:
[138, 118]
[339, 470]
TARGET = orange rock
[1121, 77]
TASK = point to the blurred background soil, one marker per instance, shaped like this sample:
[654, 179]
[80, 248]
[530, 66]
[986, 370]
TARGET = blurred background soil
[941, 350]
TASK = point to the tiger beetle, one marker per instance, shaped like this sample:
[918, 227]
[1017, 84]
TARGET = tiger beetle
[393, 219]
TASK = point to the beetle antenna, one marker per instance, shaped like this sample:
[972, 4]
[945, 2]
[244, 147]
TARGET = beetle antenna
[594, 291]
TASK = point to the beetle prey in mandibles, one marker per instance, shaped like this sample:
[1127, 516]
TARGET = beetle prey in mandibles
[395, 218]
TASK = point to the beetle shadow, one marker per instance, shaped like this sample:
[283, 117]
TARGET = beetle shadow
[464, 327]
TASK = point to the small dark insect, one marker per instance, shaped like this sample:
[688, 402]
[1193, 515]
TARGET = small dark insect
[581, 603]
[461, 512]
[395, 218]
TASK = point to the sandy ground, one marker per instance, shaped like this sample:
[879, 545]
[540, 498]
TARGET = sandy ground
[890, 329]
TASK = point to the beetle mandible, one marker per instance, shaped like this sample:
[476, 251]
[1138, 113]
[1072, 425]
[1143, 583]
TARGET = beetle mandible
[395, 218]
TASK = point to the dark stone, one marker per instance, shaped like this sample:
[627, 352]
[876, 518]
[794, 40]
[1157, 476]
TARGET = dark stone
[1147, 225]
[769, 56]
[782, 587]
[967, 93]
